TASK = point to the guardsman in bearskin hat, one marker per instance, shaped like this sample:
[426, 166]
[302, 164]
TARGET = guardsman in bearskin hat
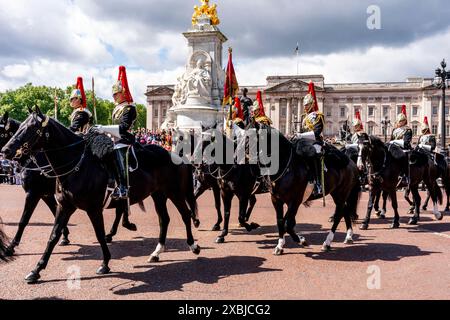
[258, 113]
[80, 118]
[313, 123]
[427, 141]
[124, 115]
[402, 136]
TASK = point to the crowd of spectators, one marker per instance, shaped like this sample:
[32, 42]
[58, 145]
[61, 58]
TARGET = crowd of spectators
[9, 172]
[162, 138]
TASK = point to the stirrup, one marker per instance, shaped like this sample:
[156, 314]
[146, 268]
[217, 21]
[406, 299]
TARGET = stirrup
[120, 194]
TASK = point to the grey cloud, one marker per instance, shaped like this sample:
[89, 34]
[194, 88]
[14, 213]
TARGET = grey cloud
[263, 28]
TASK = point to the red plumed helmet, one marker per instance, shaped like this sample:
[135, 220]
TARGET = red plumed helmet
[78, 92]
[258, 106]
[122, 85]
[425, 121]
[404, 109]
[311, 97]
[237, 105]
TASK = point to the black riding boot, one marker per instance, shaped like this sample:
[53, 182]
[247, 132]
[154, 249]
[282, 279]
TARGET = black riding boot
[317, 192]
[120, 174]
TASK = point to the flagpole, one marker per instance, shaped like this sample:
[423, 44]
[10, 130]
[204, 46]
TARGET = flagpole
[297, 52]
[94, 103]
[56, 106]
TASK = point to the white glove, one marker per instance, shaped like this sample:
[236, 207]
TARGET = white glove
[307, 136]
[399, 143]
[350, 146]
[425, 147]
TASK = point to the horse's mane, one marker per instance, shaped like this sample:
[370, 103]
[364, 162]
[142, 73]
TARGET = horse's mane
[64, 130]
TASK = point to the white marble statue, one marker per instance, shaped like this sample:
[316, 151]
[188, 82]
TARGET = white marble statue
[199, 82]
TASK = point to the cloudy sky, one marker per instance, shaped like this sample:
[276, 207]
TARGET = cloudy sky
[51, 42]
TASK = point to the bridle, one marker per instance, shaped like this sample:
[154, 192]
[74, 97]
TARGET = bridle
[26, 149]
[368, 162]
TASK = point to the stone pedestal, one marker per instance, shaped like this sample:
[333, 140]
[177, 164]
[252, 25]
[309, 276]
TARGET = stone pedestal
[198, 95]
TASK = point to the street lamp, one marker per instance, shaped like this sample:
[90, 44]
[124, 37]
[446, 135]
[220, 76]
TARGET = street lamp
[442, 81]
[386, 123]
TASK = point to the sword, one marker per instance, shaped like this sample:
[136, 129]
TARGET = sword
[323, 180]
[94, 104]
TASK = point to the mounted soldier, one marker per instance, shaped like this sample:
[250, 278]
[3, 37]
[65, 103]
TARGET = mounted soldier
[402, 137]
[246, 103]
[237, 114]
[258, 113]
[313, 123]
[81, 117]
[124, 115]
[427, 141]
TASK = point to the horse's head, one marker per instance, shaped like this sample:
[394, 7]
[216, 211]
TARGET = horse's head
[364, 150]
[29, 135]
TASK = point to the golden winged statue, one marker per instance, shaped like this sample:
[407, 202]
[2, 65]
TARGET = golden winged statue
[206, 10]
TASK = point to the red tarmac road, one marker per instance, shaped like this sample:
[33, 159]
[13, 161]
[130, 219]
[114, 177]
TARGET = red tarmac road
[409, 263]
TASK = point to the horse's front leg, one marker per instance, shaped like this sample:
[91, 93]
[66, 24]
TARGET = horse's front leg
[115, 225]
[217, 203]
[366, 222]
[63, 215]
[278, 206]
[227, 197]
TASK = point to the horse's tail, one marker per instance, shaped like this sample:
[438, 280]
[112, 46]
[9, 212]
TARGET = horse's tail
[352, 202]
[439, 195]
[190, 195]
[142, 206]
[3, 244]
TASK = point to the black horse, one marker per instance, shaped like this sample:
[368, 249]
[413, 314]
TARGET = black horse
[82, 183]
[422, 168]
[3, 243]
[205, 178]
[444, 173]
[234, 179]
[385, 163]
[290, 186]
[36, 186]
[39, 187]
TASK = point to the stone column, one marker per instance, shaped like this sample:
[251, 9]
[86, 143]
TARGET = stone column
[299, 114]
[150, 115]
[288, 116]
[276, 118]
[159, 114]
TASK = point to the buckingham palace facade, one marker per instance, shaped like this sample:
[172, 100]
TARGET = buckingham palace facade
[339, 102]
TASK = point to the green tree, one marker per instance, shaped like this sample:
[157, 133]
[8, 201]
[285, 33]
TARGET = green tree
[16, 102]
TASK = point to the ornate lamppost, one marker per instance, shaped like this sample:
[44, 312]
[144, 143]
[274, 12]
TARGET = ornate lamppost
[441, 81]
[386, 123]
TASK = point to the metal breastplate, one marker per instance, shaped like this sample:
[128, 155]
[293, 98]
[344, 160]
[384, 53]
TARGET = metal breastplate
[426, 139]
[85, 127]
[399, 133]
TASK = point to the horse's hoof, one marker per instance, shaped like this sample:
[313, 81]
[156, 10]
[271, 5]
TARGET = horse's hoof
[220, 240]
[424, 208]
[303, 242]
[441, 217]
[196, 250]
[64, 243]
[32, 277]
[9, 252]
[326, 248]
[129, 226]
[412, 222]
[364, 226]
[378, 213]
[348, 241]
[278, 252]
[216, 227]
[196, 224]
[331, 219]
[254, 226]
[109, 238]
[382, 217]
[395, 225]
[103, 270]
[153, 259]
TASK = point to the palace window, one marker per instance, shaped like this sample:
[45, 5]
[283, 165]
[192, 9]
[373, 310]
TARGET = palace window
[415, 111]
[435, 111]
[164, 112]
[399, 109]
[328, 112]
[385, 111]
[446, 111]
[434, 129]
[371, 111]
[283, 111]
[155, 112]
[370, 129]
[343, 112]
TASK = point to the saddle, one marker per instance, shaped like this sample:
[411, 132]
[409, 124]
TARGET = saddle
[419, 157]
